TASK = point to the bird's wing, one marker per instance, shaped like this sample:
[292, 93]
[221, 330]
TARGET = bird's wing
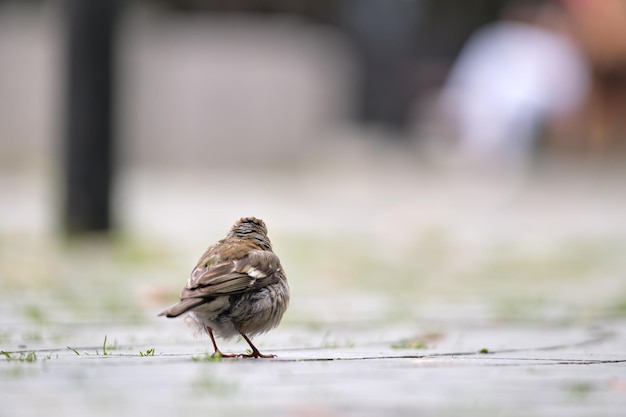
[256, 270]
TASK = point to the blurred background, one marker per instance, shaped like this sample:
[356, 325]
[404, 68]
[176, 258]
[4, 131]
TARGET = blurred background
[413, 159]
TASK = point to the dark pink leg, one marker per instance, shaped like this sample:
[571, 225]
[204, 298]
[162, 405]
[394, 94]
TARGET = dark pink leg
[255, 352]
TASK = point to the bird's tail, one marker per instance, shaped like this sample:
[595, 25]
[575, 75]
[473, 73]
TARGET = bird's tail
[182, 307]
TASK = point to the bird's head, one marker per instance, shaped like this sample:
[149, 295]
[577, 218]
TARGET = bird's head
[251, 228]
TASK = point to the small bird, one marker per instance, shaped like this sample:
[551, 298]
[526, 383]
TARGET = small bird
[238, 287]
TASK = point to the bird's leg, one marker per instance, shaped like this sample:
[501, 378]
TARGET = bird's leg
[255, 352]
[218, 352]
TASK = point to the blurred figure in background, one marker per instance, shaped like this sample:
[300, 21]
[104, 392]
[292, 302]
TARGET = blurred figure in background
[511, 78]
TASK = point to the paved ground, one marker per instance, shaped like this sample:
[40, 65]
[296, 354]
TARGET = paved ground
[414, 293]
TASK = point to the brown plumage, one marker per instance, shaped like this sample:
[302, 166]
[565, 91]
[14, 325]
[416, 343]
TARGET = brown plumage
[238, 287]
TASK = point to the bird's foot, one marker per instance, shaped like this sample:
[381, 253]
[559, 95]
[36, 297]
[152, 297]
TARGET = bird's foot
[256, 354]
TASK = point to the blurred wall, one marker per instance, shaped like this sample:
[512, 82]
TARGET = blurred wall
[205, 89]
[30, 63]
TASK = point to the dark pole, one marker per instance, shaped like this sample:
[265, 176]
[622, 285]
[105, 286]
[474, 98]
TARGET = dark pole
[89, 144]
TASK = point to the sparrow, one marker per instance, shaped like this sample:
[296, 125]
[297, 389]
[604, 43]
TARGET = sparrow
[238, 287]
